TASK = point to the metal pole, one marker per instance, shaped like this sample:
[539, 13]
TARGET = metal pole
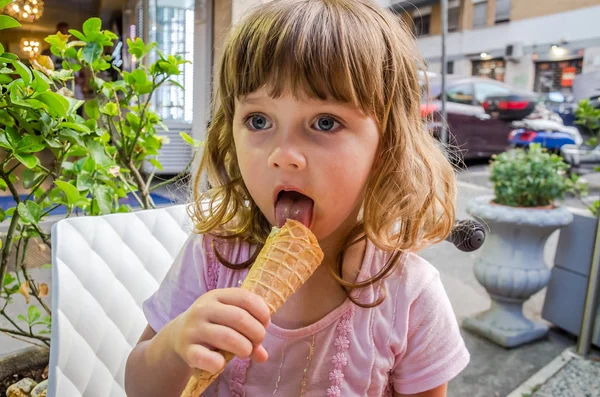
[591, 299]
[444, 132]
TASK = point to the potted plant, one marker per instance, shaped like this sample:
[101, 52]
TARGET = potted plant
[566, 293]
[94, 160]
[521, 216]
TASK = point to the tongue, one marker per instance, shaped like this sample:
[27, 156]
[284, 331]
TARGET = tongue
[293, 205]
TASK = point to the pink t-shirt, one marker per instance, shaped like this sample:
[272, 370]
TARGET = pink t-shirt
[411, 342]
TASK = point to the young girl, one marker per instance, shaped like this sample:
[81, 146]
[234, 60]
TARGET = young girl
[318, 120]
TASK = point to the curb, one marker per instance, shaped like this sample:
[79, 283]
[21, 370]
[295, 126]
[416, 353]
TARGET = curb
[21, 360]
[542, 376]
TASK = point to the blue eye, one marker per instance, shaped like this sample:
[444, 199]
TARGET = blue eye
[326, 124]
[257, 122]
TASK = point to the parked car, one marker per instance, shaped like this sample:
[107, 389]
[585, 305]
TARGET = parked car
[473, 131]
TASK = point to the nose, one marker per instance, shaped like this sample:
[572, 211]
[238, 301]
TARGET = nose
[287, 157]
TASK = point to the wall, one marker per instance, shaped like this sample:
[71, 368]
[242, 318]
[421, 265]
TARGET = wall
[520, 74]
[591, 60]
[574, 25]
[523, 9]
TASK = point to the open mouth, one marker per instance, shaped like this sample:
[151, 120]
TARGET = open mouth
[293, 205]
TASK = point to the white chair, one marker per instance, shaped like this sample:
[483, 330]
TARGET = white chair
[103, 269]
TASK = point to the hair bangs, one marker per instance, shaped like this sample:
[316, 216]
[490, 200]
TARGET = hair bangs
[309, 51]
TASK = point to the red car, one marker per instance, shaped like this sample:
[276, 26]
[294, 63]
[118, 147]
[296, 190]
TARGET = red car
[474, 132]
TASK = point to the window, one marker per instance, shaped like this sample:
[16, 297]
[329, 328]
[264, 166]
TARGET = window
[502, 11]
[484, 90]
[462, 93]
[450, 67]
[174, 33]
[480, 13]
[422, 25]
[453, 17]
[491, 68]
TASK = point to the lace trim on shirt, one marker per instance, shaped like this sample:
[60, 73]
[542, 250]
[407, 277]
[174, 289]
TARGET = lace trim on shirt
[340, 359]
[238, 377]
[213, 265]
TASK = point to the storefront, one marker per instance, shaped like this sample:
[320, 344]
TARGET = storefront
[551, 76]
[490, 68]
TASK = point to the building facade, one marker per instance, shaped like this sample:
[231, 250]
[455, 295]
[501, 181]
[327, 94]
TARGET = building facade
[536, 45]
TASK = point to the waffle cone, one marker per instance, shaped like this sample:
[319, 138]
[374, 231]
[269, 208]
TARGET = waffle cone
[288, 258]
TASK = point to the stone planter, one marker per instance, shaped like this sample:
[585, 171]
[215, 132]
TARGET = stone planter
[511, 267]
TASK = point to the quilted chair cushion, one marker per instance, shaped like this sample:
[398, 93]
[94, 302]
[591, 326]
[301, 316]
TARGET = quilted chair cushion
[103, 269]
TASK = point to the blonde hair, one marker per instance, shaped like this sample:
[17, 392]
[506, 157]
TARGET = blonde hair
[354, 52]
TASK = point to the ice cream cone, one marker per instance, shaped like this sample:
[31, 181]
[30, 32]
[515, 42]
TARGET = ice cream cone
[288, 258]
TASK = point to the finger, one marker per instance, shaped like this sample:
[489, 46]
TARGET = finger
[225, 338]
[259, 354]
[240, 320]
[197, 356]
[249, 301]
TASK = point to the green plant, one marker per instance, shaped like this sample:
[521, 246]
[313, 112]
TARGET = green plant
[531, 178]
[94, 161]
[589, 117]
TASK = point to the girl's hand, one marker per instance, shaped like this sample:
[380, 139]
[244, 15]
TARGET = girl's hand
[231, 319]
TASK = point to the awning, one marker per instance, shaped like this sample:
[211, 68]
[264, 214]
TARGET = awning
[410, 5]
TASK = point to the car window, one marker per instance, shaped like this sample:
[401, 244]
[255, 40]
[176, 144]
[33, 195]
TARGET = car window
[461, 93]
[484, 90]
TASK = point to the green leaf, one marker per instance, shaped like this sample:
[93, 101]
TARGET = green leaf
[41, 82]
[110, 109]
[98, 153]
[57, 104]
[7, 22]
[26, 216]
[91, 52]
[85, 182]
[70, 191]
[91, 26]
[1, 49]
[78, 34]
[75, 127]
[23, 71]
[176, 84]
[156, 163]
[103, 198]
[30, 144]
[3, 186]
[92, 110]
[191, 141]
[30, 178]
[4, 3]
[6, 119]
[188, 139]
[46, 266]
[28, 160]
[33, 313]
[22, 318]
[8, 279]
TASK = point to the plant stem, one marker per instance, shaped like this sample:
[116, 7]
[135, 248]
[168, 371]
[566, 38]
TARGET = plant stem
[25, 334]
[137, 198]
[175, 178]
[7, 245]
[46, 344]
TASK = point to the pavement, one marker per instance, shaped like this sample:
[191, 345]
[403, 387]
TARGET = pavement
[493, 370]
